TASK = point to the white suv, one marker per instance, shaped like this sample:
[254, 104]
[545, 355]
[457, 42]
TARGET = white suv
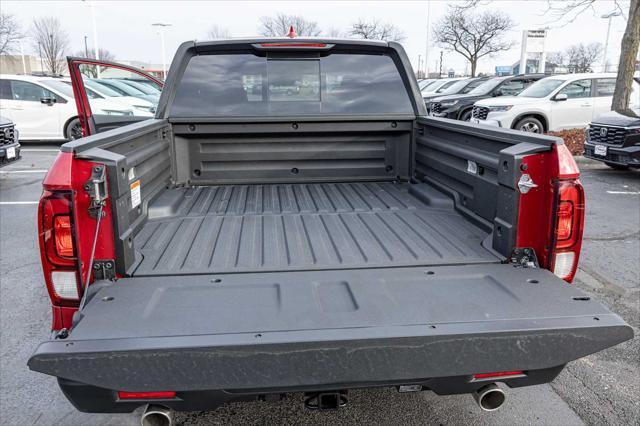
[554, 103]
[43, 108]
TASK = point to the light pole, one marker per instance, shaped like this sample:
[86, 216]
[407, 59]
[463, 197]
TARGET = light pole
[96, 50]
[426, 53]
[161, 26]
[606, 42]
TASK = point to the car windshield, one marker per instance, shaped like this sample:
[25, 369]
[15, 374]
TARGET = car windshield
[444, 87]
[487, 86]
[470, 86]
[101, 88]
[424, 83]
[144, 88]
[120, 87]
[541, 88]
[453, 87]
[61, 86]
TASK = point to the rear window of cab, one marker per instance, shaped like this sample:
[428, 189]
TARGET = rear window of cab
[251, 85]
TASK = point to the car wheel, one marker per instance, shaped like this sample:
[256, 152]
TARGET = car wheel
[466, 116]
[617, 166]
[530, 124]
[73, 130]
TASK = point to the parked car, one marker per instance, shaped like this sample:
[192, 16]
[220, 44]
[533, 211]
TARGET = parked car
[9, 142]
[555, 103]
[441, 84]
[140, 107]
[460, 87]
[245, 248]
[43, 108]
[614, 139]
[459, 107]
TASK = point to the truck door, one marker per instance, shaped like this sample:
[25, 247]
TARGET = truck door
[111, 95]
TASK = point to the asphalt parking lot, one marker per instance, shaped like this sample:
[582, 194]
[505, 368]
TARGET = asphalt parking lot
[600, 389]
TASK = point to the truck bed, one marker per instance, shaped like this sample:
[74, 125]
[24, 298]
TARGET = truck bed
[282, 227]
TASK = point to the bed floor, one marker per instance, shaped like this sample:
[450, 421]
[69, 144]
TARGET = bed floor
[247, 228]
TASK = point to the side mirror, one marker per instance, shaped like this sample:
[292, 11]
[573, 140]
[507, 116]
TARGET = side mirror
[498, 92]
[48, 101]
[560, 97]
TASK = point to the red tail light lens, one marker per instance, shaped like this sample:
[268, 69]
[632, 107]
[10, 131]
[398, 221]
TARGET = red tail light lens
[146, 395]
[63, 236]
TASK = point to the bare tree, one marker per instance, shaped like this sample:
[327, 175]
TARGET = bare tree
[278, 26]
[334, 32]
[376, 30]
[569, 10]
[10, 34]
[51, 41]
[581, 57]
[91, 71]
[217, 32]
[473, 35]
[555, 60]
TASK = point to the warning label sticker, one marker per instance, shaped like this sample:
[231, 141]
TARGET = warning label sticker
[136, 196]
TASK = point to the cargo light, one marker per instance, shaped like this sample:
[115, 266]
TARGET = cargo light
[321, 45]
[146, 395]
[500, 374]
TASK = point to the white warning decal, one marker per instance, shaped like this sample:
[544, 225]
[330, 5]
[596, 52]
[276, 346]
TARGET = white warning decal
[136, 196]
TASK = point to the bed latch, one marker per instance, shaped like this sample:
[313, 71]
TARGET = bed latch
[525, 184]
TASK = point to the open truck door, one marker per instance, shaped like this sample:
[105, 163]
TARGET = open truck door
[111, 95]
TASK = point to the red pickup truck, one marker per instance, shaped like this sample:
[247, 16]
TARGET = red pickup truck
[292, 221]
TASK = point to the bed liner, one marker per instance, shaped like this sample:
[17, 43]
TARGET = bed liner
[281, 227]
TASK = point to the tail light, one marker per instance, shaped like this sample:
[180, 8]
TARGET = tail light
[557, 206]
[58, 247]
[567, 233]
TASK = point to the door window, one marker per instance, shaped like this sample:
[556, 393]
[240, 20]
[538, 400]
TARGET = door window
[5, 89]
[605, 86]
[577, 89]
[115, 91]
[25, 91]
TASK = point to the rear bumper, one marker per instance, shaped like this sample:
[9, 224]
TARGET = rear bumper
[624, 156]
[92, 399]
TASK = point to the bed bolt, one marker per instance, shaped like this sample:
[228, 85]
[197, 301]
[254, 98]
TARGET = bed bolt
[96, 266]
[524, 167]
[295, 126]
[394, 124]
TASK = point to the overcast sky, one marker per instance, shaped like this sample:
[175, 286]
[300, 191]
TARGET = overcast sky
[124, 28]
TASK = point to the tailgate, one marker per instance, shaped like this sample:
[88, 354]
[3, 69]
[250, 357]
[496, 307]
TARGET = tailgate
[271, 330]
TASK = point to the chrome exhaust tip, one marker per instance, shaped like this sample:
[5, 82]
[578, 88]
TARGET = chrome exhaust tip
[490, 397]
[157, 415]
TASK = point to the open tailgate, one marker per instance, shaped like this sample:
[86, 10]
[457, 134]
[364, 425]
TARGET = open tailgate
[276, 330]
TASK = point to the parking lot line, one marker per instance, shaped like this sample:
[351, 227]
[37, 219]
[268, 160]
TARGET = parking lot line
[7, 172]
[16, 203]
[624, 192]
[39, 150]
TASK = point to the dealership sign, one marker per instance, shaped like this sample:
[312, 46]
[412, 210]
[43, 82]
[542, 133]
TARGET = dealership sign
[535, 41]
